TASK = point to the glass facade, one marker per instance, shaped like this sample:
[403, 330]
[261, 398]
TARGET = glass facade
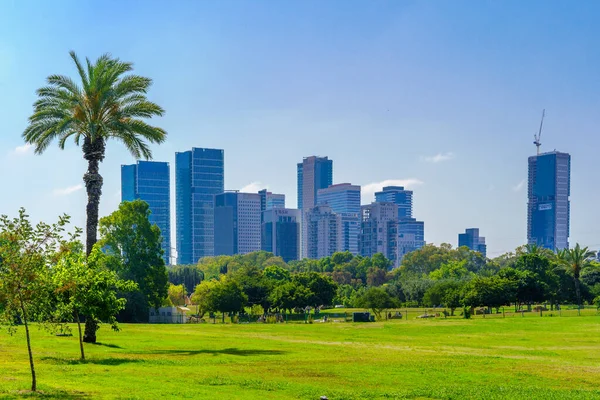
[237, 223]
[280, 233]
[548, 206]
[344, 200]
[472, 240]
[199, 176]
[397, 194]
[150, 181]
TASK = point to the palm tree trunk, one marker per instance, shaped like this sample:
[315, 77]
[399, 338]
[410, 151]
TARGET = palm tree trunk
[93, 152]
[577, 291]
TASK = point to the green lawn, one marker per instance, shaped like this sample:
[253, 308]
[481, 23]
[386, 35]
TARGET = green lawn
[512, 358]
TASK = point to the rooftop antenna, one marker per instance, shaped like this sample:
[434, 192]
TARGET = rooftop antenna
[537, 137]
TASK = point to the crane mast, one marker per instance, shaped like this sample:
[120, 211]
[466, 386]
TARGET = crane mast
[537, 137]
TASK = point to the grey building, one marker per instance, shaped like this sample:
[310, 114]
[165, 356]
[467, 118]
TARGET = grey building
[314, 173]
[548, 206]
[237, 223]
[280, 233]
[472, 240]
[320, 232]
[379, 230]
[344, 200]
[199, 176]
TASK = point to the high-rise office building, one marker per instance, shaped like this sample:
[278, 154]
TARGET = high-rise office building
[320, 232]
[314, 173]
[472, 240]
[269, 200]
[280, 233]
[411, 233]
[237, 223]
[344, 200]
[199, 176]
[548, 207]
[411, 236]
[397, 194]
[150, 181]
[379, 230]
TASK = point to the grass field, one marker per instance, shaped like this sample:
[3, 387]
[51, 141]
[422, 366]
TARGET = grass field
[512, 358]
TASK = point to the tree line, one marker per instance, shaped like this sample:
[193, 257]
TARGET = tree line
[431, 276]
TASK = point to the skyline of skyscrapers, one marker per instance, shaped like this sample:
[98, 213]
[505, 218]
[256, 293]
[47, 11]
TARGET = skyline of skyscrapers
[150, 181]
[199, 176]
[237, 223]
[472, 240]
[548, 205]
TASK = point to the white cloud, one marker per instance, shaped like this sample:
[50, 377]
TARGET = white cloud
[68, 190]
[438, 158]
[22, 150]
[518, 186]
[367, 192]
[253, 187]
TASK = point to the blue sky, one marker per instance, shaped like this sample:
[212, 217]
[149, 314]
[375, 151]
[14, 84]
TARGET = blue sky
[442, 95]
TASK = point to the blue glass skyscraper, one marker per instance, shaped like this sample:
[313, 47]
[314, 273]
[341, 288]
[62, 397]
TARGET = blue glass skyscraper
[548, 206]
[472, 240]
[150, 181]
[199, 176]
[397, 194]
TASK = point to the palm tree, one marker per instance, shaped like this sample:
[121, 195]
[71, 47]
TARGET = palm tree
[107, 104]
[574, 260]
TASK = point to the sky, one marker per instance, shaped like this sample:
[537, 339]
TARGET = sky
[442, 96]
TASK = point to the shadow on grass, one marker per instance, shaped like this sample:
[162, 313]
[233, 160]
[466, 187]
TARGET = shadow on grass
[93, 361]
[230, 351]
[55, 394]
[112, 346]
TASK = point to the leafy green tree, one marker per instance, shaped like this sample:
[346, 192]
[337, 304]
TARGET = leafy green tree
[106, 103]
[491, 292]
[451, 270]
[376, 276]
[426, 259]
[255, 285]
[444, 292]
[277, 273]
[377, 300]
[176, 295]
[201, 296]
[26, 255]
[188, 275]
[323, 288]
[133, 249]
[290, 296]
[574, 260]
[227, 296]
[83, 286]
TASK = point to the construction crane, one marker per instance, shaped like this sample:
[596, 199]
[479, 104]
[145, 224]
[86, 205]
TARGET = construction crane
[537, 137]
